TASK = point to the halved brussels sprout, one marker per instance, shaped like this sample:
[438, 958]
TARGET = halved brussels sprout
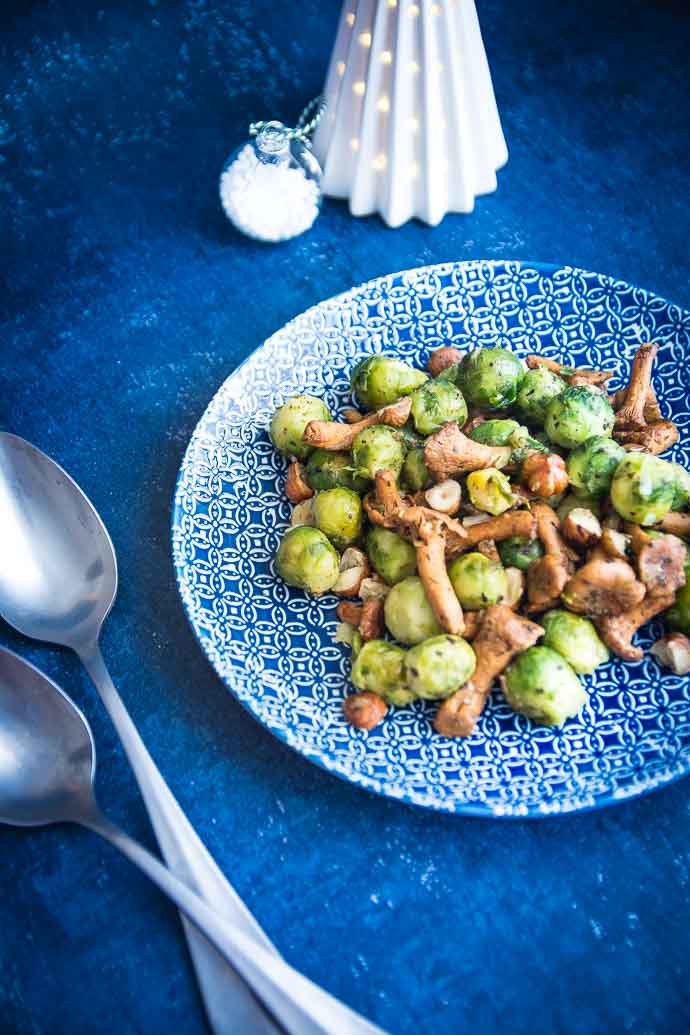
[377, 449]
[379, 380]
[592, 465]
[333, 469]
[490, 490]
[290, 420]
[380, 668]
[542, 685]
[436, 403]
[574, 638]
[490, 378]
[439, 666]
[643, 488]
[415, 474]
[306, 559]
[577, 414]
[478, 581]
[338, 513]
[408, 614]
[391, 556]
[538, 388]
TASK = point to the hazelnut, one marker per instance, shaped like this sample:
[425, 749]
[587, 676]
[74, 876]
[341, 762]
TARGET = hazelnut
[441, 359]
[373, 587]
[354, 567]
[364, 710]
[371, 619]
[351, 415]
[673, 651]
[349, 612]
[515, 580]
[582, 527]
[444, 497]
[544, 474]
[303, 514]
[615, 543]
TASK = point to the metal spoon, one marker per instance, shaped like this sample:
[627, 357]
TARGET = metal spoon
[47, 769]
[58, 580]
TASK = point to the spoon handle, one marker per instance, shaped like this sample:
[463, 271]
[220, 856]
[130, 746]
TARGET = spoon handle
[230, 1006]
[301, 1006]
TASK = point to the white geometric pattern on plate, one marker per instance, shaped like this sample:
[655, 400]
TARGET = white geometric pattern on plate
[273, 645]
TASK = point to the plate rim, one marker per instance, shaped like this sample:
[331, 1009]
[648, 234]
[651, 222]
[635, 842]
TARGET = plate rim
[569, 806]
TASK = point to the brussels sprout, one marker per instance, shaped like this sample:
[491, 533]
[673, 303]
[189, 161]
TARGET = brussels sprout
[592, 465]
[494, 432]
[338, 513]
[434, 404]
[391, 556]
[682, 495]
[306, 559]
[477, 580]
[490, 378]
[415, 474]
[575, 639]
[377, 449]
[541, 685]
[678, 616]
[333, 469]
[490, 490]
[379, 380]
[538, 388]
[408, 613]
[577, 414]
[290, 420]
[438, 667]
[518, 552]
[643, 488]
[451, 374]
[380, 668]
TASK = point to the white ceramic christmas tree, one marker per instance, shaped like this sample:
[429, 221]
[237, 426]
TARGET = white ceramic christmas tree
[410, 127]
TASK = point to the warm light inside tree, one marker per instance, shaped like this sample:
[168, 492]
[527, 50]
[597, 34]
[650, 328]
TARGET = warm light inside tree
[410, 127]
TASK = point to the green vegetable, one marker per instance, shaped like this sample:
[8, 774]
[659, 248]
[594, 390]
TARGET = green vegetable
[391, 556]
[538, 388]
[439, 666]
[477, 580]
[541, 685]
[415, 474]
[578, 499]
[643, 488]
[290, 420]
[408, 613]
[494, 432]
[379, 380]
[434, 404]
[592, 465]
[490, 490]
[380, 668]
[577, 414]
[518, 552]
[451, 374]
[377, 449]
[333, 469]
[338, 513]
[678, 616]
[682, 495]
[490, 378]
[575, 639]
[306, 559]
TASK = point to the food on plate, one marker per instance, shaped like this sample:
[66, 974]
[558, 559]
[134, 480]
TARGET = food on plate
[487, 521]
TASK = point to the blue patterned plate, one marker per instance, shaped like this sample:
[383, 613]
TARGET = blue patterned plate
[273, 646]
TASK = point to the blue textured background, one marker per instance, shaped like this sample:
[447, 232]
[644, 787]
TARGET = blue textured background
[127, 298]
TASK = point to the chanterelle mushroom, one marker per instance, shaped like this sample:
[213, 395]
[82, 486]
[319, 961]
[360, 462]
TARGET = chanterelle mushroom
[502, 634]
[430, 534]
[653, 438]
[513, 523]
[617, 631]
[331, 434]
[661, 564]
[631, 413]
[652, 410]
[450, 452]
[592, 377]
[676, 524]
[603, 586]
[547, 576]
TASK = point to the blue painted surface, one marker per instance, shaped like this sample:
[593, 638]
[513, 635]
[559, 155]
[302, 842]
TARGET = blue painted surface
[127, 300]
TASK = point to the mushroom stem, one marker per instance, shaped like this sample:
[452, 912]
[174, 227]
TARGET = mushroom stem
[652, 410]
[331, 434]
[592, 377]
[631, 413]
[431, 565]
[676, 524]
[546, 578]
[513, 522]
[617, 631]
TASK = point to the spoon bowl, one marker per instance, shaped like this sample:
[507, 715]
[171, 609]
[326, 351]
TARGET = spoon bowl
[58, 573]
[47, 753]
